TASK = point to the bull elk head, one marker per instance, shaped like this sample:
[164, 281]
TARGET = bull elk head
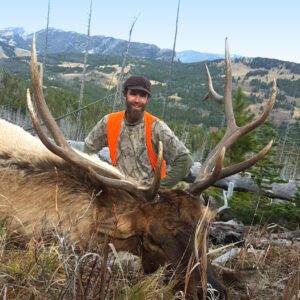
[168, 240]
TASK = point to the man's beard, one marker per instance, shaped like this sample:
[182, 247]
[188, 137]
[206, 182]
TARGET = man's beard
[134, 114]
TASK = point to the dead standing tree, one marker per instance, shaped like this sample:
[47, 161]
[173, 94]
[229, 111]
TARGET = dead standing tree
[165, 103]
[46, 38]
[83, 75]
[118, 94]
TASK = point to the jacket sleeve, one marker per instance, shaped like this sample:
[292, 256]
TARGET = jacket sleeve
[175, 153]
[178, 170]
[97, 138]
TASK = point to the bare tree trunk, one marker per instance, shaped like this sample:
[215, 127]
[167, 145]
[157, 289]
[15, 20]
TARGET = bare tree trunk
[296, 164]
[46, 39]
[203, 148]
[83, 74]
[185, 133]
[118, 95]
[165, 107]
[286, 135]
[284, 191]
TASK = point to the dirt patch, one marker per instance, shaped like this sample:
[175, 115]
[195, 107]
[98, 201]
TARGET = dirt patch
[175, 97]
[154, 82]
[21, 52]
[67, 64]
[71, 75]
[239, 69]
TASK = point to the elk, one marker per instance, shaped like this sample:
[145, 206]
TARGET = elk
[46, 180]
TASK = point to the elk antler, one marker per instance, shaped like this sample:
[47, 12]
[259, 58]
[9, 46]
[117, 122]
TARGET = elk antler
[99, 175]
[232, 134]
[211, 92]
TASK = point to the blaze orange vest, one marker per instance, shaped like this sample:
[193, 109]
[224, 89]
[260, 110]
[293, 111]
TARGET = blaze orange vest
[113, 127]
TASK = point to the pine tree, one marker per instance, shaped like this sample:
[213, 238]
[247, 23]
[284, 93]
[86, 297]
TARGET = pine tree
[267, 170]
[238, 151]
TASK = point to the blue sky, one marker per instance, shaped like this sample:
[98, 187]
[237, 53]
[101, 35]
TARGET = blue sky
[266, 28]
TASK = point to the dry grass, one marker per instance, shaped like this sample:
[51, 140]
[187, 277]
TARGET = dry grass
[58, 270]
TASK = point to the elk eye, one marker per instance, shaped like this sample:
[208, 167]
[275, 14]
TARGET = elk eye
[154, 242]
[151, 239]
[153, 245]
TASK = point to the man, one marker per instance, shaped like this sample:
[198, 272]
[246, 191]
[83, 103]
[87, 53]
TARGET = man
[132, 137]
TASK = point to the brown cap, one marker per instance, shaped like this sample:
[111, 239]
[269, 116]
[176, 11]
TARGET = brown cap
[137, 83]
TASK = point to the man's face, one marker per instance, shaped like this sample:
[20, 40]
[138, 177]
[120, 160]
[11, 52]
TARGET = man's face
[136, 102]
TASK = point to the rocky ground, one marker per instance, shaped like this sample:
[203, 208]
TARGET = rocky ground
[267, 266]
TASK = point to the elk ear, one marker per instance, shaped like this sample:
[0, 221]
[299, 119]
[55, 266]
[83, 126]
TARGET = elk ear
[124, 226]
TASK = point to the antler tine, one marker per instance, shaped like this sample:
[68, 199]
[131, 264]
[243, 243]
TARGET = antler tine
[146, 193]
[76, 160]
[211, 91]
[153, 190]
[233, 132]
[38, 128]
[267, 109]
[61, 148]
[228, 108]
[201, 183]
[233, 135]
[40, 100]
[236, 168]
[79, 161]
[68, 153]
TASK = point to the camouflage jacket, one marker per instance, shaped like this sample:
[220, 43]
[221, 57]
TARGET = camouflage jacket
[132, 154]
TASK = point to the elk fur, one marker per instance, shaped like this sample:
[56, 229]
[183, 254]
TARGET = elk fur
[35, 183]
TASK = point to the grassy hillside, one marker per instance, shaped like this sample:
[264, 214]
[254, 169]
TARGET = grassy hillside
[186, 106]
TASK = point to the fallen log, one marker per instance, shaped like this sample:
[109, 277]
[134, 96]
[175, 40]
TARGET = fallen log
[283, 191]
[227, 232]
[224, 258]
[282, 239]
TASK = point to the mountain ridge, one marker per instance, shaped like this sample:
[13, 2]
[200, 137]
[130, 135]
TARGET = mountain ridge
[60, 41]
